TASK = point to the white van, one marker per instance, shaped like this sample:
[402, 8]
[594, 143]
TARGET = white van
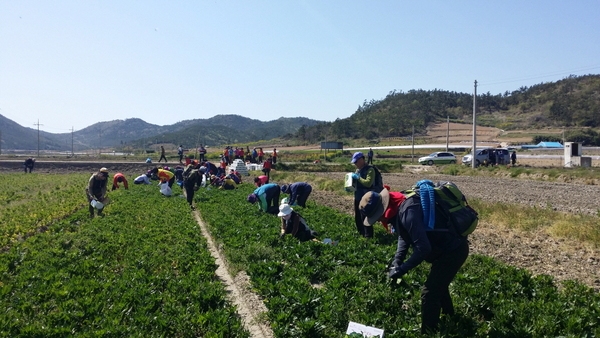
[483, 156]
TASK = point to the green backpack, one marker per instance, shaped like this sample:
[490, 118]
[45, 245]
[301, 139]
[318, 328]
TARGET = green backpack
[451, 209]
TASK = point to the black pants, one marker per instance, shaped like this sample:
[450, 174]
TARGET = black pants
[189, 194]
[301, 200]
[272, 198]
[359, 219]
[161, 157]
[435, 296]
[370, 160]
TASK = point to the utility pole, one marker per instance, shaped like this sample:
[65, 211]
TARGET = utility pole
[412, 157]
[72, 148]
[447, 132]
[99, 141]
[38, 128]
[474, 151]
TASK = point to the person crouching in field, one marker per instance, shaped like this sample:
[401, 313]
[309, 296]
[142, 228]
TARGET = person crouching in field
[294, 224]
[96, 189]
[268, 197]
[298, 191]
[119, 178]
[260, 180]
[29, 163]
[164, 176]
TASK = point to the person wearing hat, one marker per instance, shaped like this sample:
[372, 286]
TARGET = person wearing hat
[367, 178]
[445, 250]
[294, 224]
[119, 178]
[268, 197]
[298, 191]
[96, 189]
[235, 176]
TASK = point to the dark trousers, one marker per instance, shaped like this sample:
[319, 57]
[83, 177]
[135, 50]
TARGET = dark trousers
[274, 159]
[272, 198]
[370, 160]
[161, 157]
[189, 194]
[435, 296]
[359, 219]
[301, 200]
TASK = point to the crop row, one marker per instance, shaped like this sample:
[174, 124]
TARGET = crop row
[313, 289]
[143, 270]
[29, 202]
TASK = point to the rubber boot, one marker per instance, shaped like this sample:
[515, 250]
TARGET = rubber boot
[368, 232]
[91, 211]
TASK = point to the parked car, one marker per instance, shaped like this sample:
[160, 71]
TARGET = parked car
[481, 156]
[438, 157]
[484, 156]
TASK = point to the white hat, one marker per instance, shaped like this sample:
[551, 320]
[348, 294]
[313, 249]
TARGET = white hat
[284, 210]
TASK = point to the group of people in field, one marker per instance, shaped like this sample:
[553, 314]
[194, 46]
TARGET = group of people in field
[373, 202]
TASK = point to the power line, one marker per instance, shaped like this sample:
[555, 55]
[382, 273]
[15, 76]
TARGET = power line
[539, 76]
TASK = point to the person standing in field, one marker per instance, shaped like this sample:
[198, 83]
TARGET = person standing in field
[267, 167]
[119, 178]
[96, 189]
[274, 156]
[367, 178]
[370, 156]
[513, 157]
[202, 153]
[192, 179]
[162, 154]
[261, 155]
[180, 153]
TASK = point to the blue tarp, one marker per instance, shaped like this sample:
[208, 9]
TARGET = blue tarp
[543, 145]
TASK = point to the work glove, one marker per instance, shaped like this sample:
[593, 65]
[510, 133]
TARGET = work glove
[355, 176]
[396, 273]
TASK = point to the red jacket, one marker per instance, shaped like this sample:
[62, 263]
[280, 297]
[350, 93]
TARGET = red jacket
[119, 177]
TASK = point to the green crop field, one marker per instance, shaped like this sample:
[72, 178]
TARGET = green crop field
[144, 270]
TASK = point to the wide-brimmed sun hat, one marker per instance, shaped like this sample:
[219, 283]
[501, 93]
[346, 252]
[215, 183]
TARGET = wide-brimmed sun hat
[373, 205]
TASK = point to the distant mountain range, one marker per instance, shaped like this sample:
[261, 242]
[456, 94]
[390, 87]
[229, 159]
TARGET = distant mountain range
[136, 133]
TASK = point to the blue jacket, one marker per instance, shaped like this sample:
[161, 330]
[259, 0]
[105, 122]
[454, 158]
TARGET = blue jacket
[298, 189]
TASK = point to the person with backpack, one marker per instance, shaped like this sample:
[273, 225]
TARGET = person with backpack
[28, 164]
[366, 178]
[294, 224]
[298, 191]
[445, 250]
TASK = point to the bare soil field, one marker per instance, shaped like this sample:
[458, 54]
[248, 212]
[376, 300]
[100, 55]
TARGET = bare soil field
[535, 251]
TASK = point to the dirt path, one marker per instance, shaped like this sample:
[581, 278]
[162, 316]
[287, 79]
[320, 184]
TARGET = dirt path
[249, 305]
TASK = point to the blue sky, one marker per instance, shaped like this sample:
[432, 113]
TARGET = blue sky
[74, 63]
